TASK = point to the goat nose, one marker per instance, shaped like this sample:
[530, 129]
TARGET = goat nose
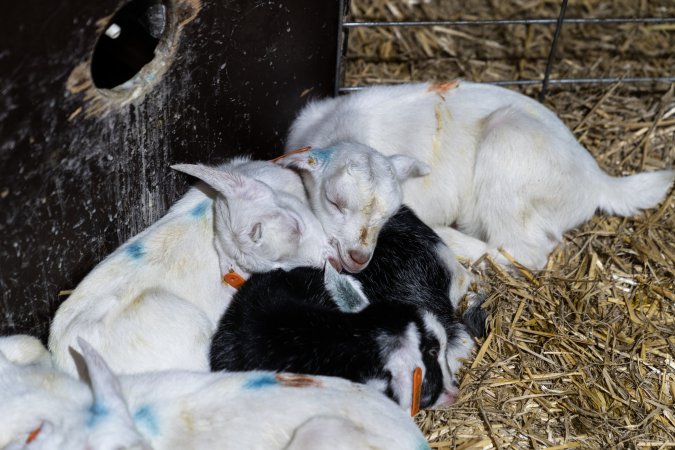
[359, 256]
[447, 397]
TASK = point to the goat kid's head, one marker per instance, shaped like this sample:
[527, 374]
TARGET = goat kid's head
[353, 190]
[437, 350]
[260, 228]
[47, 410]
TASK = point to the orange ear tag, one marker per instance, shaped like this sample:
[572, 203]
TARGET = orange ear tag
[234, 279]
[417, 391]
[300, 150]
[33, 434]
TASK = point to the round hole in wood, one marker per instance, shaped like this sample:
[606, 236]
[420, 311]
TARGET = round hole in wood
[129, 42]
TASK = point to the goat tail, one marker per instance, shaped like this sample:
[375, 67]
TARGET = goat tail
[626, 196]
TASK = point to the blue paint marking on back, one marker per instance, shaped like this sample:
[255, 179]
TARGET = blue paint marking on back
[98, 412]
[322, 154]
[135, 250]
[261, 381]
[200, 209]
[145, 418]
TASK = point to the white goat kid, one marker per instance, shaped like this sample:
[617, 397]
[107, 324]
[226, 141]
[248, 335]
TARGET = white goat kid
[353, 190]
[44, 409]
[154, 303]
[505, 171]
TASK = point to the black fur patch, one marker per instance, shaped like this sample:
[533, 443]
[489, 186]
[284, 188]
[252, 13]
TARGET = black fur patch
[286, 321]
[475, 320]
[406, 267]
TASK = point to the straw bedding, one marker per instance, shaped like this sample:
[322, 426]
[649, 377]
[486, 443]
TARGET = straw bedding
[581, 354]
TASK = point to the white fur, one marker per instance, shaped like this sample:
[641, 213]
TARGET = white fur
[345, 290]
[401, 363]
[334, 433]
[505, 171]
[461, 277]
[23, 350]
[154, 303]
[194, 410]
[353, 190]
[458, 352]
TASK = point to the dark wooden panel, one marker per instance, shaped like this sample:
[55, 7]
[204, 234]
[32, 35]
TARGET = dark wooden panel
[80, 172]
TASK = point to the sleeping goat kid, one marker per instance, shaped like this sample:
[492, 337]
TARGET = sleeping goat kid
[45, 409]
[321, 323]
[505, 171]
[154, 303]
[353, 192]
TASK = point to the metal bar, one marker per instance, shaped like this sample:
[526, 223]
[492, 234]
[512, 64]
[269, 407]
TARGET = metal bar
[554, 47]
[627, 80]
[432, 23]
[537, 21]
[613, 80]
[340, 40]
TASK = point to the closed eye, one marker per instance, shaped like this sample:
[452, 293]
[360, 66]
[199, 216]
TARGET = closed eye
[337, 204]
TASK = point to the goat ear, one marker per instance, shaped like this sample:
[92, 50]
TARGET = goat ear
[104, 384]
[345, 290]
[307, 160]
[230, 184]
[256, 232]
[408, 167]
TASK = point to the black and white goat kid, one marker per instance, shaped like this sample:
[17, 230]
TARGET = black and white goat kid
[374, 327]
